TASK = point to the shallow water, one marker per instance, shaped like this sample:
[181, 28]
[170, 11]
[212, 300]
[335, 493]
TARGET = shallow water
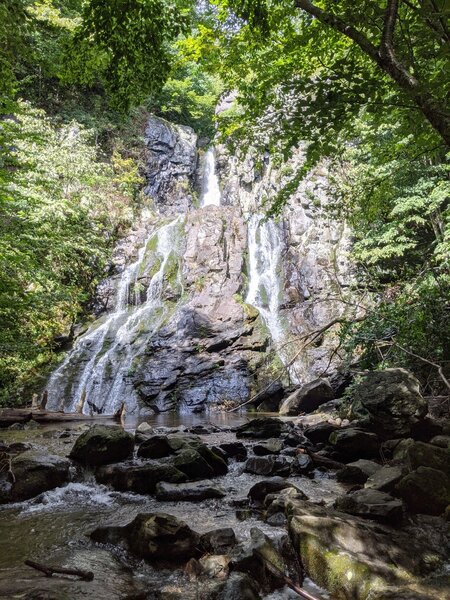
[54, 527]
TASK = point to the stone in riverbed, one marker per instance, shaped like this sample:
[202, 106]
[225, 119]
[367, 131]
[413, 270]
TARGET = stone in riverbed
[188, 492]
[218, 541]
[390, 402]
[371, 504]
[320, 432]
[261, 429]
[425, 490]
[140, 478]
[34, 472]
[260, 490]
[307, 398]
[358, 471]
[270, 447]
[385, 479]
[156, 446]
[240, 586]
[269, 465]
[235, 450]
[103, 444]
[355, 443]
[419, 454]
[156, 537]
[193, 465]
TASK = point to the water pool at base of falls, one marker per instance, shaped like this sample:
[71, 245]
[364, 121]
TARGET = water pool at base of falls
[54, 527]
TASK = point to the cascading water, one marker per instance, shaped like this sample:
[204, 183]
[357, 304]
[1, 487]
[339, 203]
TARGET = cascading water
[210, 190]
[95, 377]
[265, 250]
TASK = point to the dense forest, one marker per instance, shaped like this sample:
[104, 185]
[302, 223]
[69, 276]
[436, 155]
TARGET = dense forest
[362, 85]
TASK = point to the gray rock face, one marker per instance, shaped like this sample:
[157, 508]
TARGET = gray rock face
[103, 444]
[307, 398]
[390, 401]
[385, 478]
[425, 490]
[371, 504]
[358, 471]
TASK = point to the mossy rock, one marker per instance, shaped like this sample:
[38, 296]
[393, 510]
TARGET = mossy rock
[103, 444]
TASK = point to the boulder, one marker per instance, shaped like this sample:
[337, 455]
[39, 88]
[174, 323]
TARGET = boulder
[269, 465]
[214, 566]
[320, 432]
[103, 444]
[425, 490]
[260, 490]
[235, 450]
[141, 478]
[355, 443]
[371, 504]
[261, 428]
[196, 466]
[270, 447]
[385, 478]
[443, 441]
[353, 558]
[156, 537]
[390, 402]
[358, 471]
[270, 399]
[420, 454]
[307, 398]
[33, 472]
[156, 446]
[195, 491]
[218, 541]
[239, 586]
[303, 464]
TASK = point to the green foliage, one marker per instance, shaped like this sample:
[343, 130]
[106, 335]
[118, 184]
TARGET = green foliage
[61, 209]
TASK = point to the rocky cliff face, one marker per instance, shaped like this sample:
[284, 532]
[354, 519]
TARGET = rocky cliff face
[206, 302]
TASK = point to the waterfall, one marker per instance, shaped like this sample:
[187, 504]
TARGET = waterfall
[95, 376]
[210, 188]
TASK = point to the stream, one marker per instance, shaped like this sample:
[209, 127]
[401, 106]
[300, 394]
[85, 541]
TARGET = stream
[54, 527]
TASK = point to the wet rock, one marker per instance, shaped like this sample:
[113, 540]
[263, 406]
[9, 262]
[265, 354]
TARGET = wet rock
[358, 471]
[157, 446]
[385, 479]
[217, 463]
[269, 465]
[270, 447]
[420, 454]
[103, 444]
[187, 492]
[425, 490]
[371, 504]
[235, 450]
[352, 557]
[320, 432]
[390, 402]
[260, 490]
[240, 586]
[218, 541]
[141, 478]
[156, 537]
[307, 398]
[193, 465]
[33, 472]
[278, 519]
[269, 400]
[215, 565]
[303, 464]
[295, 439]
[355, 443]
[261, 429]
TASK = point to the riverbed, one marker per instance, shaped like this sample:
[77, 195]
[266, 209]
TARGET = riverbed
[54, 527]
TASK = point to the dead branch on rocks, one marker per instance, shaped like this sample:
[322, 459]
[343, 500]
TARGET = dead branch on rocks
[49, 571]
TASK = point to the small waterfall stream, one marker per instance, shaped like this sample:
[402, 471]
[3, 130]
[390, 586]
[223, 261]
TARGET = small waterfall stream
[95, 375]
[210, 189]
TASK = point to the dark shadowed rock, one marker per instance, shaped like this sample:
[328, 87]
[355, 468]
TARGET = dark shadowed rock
[218, 541]
[420, 454]
[261, 429]
[307, 398]
[103, 444]
[269, 400]
[260, 490]
[141, 478]
[240, 586]
[390, 402]
[303, 464]
[192, 464]
[156, 446]
[187, 492]
[371, 504]
[33, 472]
[385, 479]
[269, 465]
[425, 490]
[235, 450]
[355, 443]
[269, 447]
[358, 471]
[320, 433]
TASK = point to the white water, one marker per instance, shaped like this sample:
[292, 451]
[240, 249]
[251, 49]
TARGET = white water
[101, 362]
[265, 247]
[211, 189]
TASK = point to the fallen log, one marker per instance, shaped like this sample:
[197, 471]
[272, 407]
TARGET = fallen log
[9, 416]
[49, 571]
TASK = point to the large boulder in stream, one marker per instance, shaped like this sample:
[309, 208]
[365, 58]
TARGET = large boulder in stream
[156, 537]
[103, 444]
[389, 402]
[425, 490]
[31, 473]
[307, 398]
[261, 428]
[141, 478]
[187, 492]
